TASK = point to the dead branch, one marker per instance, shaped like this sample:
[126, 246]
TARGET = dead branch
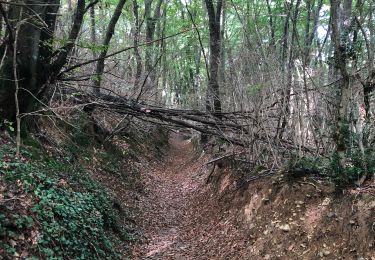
[231, 127]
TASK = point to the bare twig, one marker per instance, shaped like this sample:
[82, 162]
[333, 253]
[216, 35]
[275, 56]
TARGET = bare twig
[220, 158]
[118, 52]
[15, 73]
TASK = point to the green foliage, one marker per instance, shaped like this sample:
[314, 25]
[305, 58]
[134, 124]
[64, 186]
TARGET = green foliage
[7, 125]
[347, 168]
[311, 163]
[34, 147]
[111, 161]
[93, 47]
[353, 169]
[80, 138]
[74, 214]
[342, 174]
[254, 89]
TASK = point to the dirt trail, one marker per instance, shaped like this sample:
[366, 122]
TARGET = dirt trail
[180, 219]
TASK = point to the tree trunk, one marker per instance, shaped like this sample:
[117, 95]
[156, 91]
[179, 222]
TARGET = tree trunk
[221, 75]
[93, 31]
[138, 58]
[108, 36]
[285, 112]
[213, 103]
[37, 63]
[343, 92]
[162, 51]
[31, 57]
[151, 20]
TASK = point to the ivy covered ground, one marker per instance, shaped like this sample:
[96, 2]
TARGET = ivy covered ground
[52, 208]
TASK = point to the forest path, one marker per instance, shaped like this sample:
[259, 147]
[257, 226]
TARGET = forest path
[180, 218]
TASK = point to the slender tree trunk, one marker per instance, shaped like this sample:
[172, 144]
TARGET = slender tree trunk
[162, 51]
[271, 25]
[233, 78]
[289, 69]
[343, 93]
[313, 14]
[213, 102]
[283, 59]
[93, 31]
[70, 5]
[108, 36]
[151, 20]
[138, 58]
[1, 22]
[222, 47]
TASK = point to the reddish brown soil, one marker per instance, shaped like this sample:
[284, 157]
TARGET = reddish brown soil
[180, 217]
[301, 218]
[184, 218]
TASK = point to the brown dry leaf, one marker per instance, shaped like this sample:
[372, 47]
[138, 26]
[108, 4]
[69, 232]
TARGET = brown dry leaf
[5, 165]
[62, 183]
[12, 243]
[34, 237]
[180, 216]
[24, 254]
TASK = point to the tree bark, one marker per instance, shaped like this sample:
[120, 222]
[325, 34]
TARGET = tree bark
[271, 25]
[288, 57]
[221, 75]
[343, 92]
[37, 63]
[93, 32]
[151, 20]
[138, 58]
[108, 36]
[213, 102]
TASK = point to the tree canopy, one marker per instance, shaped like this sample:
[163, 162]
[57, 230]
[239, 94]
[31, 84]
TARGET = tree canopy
[297, 71]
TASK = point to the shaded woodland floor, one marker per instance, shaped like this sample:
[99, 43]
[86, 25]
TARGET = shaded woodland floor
[170, 211]
[180, 219]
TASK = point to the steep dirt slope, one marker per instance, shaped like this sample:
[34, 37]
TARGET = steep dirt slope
[179, 216]
[299, 218]
[276, 218]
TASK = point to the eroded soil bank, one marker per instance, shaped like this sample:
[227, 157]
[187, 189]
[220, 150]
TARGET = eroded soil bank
[180, 216]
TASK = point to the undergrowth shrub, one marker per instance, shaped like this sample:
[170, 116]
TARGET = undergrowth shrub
[331, 168]
[75, 216]
[80, 138]
[353, 169]
[355, 165]
[306, 163]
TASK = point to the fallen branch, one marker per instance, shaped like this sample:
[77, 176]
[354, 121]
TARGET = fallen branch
[220, 158]
[232, 127]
